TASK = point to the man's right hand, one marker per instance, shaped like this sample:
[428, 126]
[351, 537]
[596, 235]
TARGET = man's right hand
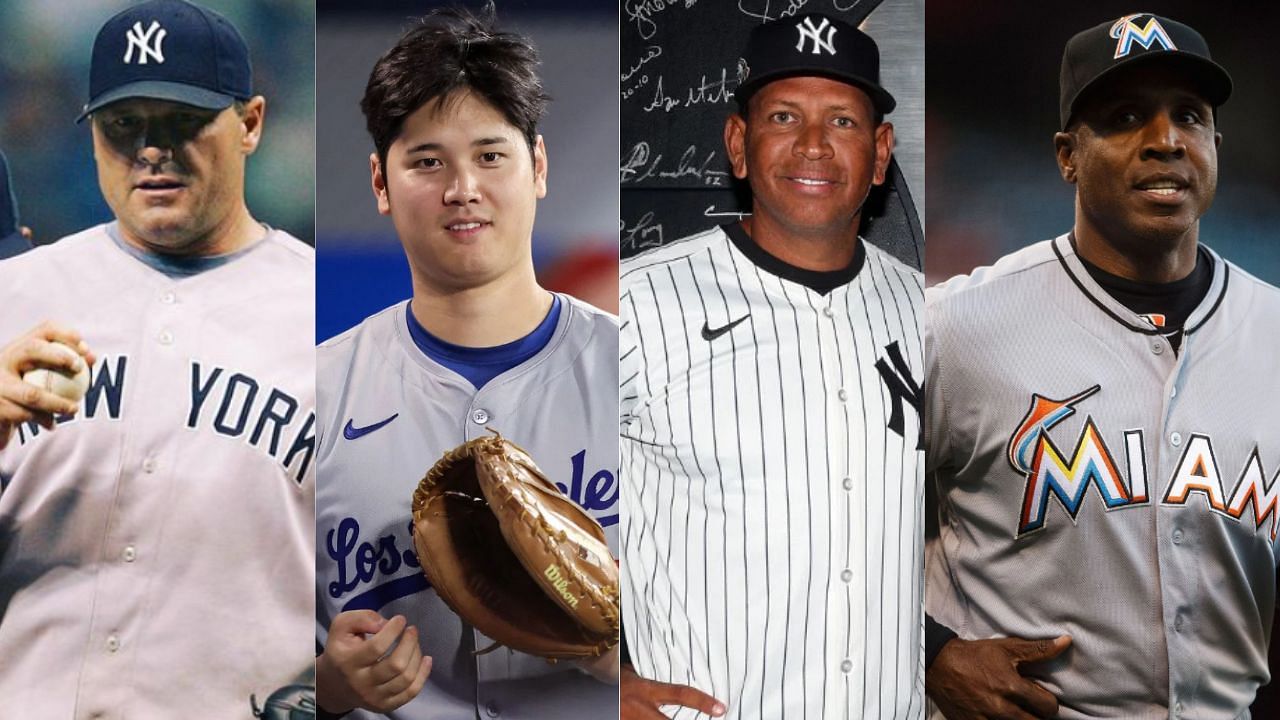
[24, 402]
[359, 668]
[639, 698]
[979, 679]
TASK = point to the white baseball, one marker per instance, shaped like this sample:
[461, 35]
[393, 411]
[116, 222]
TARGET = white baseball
[63, 383]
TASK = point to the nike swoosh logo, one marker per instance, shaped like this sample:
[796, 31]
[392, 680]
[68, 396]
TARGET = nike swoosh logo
[351, 432]
[708, 334]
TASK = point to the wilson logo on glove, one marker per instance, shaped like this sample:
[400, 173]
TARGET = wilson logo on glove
[512, 555]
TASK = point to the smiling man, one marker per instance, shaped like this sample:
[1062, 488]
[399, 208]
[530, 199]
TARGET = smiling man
[771, 470]
[140, 528]
[459, 167]
[1098, 425]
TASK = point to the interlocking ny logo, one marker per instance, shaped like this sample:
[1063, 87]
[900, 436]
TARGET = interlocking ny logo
[814, 35]
[901, 386]
[1126, 32]
[149, 43]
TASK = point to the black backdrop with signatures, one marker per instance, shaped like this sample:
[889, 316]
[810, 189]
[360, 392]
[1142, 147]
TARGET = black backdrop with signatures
[677, 76]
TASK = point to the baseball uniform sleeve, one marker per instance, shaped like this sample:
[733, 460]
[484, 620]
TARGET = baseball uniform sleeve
[936, 438]
[629, 366]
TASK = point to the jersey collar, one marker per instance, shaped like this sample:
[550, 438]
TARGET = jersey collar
[1065, 251]
[820, 282]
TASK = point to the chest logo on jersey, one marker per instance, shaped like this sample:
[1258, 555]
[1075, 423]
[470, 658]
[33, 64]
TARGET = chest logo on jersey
[232, 404]
[1051, 475]
[902, 388]
[373, 571]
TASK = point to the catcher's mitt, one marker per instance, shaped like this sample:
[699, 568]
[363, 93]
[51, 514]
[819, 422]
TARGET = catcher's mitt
[512, 555]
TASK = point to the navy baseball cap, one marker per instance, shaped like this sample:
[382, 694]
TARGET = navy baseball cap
[1099, 51]
[169, 50]
[11, 240]
[811, 44]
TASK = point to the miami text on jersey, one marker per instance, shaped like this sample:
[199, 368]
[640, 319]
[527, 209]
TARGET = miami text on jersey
[1050, 474]
[230, 403]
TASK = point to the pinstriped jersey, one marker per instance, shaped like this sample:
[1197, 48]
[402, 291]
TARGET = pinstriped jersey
[772, 481]
[1095, 483]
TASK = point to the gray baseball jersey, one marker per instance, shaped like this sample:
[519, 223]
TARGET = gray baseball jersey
[772, 481]
[1093, 482]
[156, 547]
[387, 413]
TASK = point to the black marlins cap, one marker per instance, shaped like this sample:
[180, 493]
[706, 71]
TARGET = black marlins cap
[1139, 38]
[812, 44]
[11, 240]
[169, 50]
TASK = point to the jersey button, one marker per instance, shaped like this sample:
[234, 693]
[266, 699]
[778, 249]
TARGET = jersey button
[165, 337]
[1177, 708]
[479, 416]
[492, 710]
[1175, 439]
[1177, 537]
[1157, 347]
[149, 465]
[847, 483]
[113, 643]
[842, 395]
[168, 298]
[828, 312]
[846, 666]
[1174, 392]
[1178, 623]
[130, 554]
[846, 575]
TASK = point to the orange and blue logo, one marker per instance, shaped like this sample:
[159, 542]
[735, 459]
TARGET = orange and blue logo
[1052, 475]
[1126, 31]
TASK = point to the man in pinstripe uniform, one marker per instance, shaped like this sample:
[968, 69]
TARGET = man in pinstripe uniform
[770, 418]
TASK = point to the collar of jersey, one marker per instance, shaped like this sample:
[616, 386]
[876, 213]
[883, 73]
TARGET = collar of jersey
[818, 281]
[1064, 249]
[174, 266]
[508, 354]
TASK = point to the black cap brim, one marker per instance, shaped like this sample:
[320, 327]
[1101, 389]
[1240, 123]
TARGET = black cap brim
[1209, 76]
[881, 100]
[159, 90]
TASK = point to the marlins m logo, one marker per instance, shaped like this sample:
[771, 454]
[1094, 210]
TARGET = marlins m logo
[1126, 32]
[149, 43]
[814, 34]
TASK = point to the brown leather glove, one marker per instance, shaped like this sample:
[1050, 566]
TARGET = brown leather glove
[513, 556]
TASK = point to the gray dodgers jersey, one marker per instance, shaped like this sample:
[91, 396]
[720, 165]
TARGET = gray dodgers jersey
[155, 549]
[559, 405]
[1095, 483]
[773, 483]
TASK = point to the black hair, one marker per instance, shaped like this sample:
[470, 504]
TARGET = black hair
[453, 50]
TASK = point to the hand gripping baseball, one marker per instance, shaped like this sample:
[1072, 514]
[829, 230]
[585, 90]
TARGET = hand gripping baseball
[41, 347]
[979, 679]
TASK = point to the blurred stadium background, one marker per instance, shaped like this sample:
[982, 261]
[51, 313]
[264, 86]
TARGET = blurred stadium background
[44, 82]
[361, 267]
[992, 110]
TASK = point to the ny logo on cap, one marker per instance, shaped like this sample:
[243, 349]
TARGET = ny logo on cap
[814, 35]
[149, 43]
[1127, 32]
